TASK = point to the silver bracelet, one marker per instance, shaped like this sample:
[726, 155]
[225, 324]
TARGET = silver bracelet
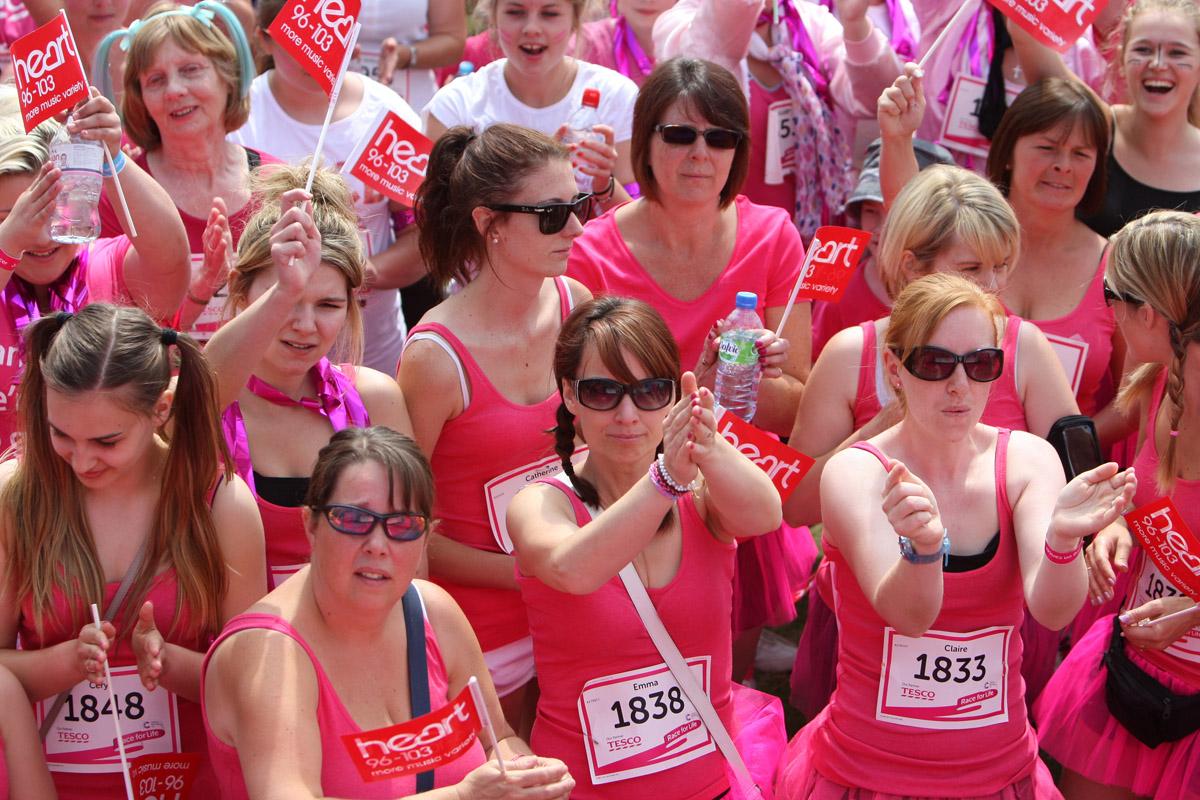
[678, 487]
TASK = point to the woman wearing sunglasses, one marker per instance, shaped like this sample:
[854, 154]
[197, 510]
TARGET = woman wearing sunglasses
[292, 290]
[498, 213]
[674, 517]
[1112, 742]
[985, 526]
[337, 639]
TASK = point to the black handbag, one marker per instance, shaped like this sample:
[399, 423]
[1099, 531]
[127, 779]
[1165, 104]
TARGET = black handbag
[1150, 711]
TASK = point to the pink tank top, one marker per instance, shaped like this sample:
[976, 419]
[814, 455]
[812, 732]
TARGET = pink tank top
[579, 641]
[762, 101]
[491, 437]
[1083, 342]
[875, 737]
[859, 304]
[339, 777]
[287, 546]
[173, 723]
[1182, 657]
[1004, 408]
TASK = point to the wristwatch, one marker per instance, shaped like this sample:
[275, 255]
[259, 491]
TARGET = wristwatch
[909, 554]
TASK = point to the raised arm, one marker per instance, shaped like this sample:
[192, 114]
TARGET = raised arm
[715, 30]
[901, 109]
[861, 62]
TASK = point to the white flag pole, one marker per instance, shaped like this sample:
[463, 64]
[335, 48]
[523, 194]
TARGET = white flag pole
[962, 10]
[485, 718]
[333, 98]
[813, 246]
[112, 699]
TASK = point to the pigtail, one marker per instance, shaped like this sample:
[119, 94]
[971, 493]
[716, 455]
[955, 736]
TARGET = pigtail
[1166, 462]
[448, 237]
[564, 446]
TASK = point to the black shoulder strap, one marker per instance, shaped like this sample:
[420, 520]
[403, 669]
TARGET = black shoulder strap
[418, 668]
[253, 158]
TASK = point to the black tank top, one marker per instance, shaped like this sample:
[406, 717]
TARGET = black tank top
[1126, 199]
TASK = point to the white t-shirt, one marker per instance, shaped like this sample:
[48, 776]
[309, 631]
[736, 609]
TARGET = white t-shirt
[483, 98]
[408, 22]
[270, 129]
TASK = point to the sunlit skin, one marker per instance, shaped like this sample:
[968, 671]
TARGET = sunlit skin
[103, 441]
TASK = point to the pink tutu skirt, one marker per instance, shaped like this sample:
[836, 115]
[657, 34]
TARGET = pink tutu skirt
[1077, 730]
[772, 572]
[799, 780]
[1039, 656]
[814, 673]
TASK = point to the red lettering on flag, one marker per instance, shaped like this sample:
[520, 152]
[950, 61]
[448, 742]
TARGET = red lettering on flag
[1169, 543]
[1054, 23]
[833, 255]
[783, 465]
[48, 72]
[418, 745]
[392, 159]
[316, 33]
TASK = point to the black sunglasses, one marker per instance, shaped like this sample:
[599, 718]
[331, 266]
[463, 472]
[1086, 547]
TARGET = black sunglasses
[604, 394]
[716, 138]
[402, 526]
[937, 364]
[1111, 296]
[552, 217]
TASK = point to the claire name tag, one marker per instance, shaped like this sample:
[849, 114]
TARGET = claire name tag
[82, 738]
[640, 722]
[945, 680]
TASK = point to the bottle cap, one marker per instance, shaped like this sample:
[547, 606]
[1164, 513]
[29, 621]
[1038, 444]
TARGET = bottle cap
[465, 68]
[747, 300]
[591, 97]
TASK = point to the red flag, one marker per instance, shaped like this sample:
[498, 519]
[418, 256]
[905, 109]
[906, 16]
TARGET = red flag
[785, 466]
[166, 776]
[48, 72]
[1168, 543]
[317, 34]
[1054, 23]
[832, 256]
[418, 745]
[392, 158]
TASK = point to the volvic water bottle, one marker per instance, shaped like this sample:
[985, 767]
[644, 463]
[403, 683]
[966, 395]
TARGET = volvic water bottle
[738, 370]
[579, 128]
[76, 217]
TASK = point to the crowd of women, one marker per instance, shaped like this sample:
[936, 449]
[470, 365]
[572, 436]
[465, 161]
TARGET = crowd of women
[320, 461]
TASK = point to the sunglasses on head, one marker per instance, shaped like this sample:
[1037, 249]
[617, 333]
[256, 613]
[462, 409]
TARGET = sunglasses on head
[716, 138]
[401, 526]
[937, 364]
[604, 394]
[1111, 296]
[552, 217]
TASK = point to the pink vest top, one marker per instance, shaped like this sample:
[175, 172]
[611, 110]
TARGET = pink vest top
[581, 638]
[339, 777]
[859, 304]
[283, 527]
[58, 628]
[1003, 410]
[1083, 342]
[1182, 657]
[492, 436]
[855, 748]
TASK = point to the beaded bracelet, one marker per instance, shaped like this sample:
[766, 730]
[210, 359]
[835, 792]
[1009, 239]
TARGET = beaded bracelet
[675, 486]
[1058, 557]
[8, 263]
[657, 482]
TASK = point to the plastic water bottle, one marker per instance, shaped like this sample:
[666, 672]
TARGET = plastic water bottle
[580, 128]
[76, 217]
[738, 370]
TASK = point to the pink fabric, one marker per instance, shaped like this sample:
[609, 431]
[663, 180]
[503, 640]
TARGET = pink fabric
[859, 304]
[283, 527]
[779, 195]
[491, 437]
[773, 570]
[597, 44]
[1091, 322]
[15, 21]
[577, 638]
[847, 745]
[1004, 408]
[339, 777]
[96, 275]
[766, 260]
[480, 49]
[62, 624]
[814, 671]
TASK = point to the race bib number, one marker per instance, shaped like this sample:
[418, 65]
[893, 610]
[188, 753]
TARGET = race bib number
[781, 136]
[960, 128]
[1150, 584]
[945, 680]
[83, 739]
[1072, 354]
[499, 491]
[367, 62]
[281, 572]
[640, 722]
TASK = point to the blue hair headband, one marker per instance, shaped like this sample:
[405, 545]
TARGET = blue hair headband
[204, 11]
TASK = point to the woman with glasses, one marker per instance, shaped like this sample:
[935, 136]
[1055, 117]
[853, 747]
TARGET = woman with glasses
[323, 656]
[929, 698]
[674, 517]
[1114, 742]
[498, 213]
[292, 290]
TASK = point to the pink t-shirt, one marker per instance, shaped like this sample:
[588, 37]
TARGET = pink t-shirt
[96, 275]
[859, 304]
[339, 777]
[766, 260]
